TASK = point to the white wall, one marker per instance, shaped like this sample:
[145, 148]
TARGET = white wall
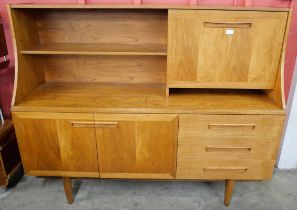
[288, 155]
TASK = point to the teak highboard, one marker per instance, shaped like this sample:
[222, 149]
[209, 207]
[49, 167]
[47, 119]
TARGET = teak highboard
[149, 92]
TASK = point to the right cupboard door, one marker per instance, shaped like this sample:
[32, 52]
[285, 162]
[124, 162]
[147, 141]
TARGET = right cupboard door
[224, 49]
[136, 146]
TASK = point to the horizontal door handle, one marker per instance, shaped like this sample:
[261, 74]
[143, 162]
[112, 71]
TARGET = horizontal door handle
[92, 124]
[226, 169]
[82, 124]
[227, 149]
[227, 25]
[220, 126]
[106, 124]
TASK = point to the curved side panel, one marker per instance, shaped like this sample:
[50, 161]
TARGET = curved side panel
[28, 74]
[278, 93]
[16, 56]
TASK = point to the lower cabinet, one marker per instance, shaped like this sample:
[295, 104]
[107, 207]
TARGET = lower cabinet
[144, 146]
[57, 144]
[106, 145]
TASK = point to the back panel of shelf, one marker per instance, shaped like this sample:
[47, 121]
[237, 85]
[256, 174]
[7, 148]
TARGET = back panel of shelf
[104, 69]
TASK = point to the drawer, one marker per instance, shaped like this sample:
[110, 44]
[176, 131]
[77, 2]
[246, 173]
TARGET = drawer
[246, 148]
[231, 126]
[223, 169]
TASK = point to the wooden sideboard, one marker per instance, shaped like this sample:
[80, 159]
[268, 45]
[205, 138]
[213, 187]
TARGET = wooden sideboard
[149, 92]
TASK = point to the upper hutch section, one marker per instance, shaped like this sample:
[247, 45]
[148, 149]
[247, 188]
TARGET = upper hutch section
[131, 57]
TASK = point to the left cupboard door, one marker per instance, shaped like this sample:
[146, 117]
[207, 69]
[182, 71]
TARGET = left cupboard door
[57, 144]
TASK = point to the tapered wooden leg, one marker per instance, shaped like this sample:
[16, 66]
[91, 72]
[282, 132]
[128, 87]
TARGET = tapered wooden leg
[229, 185]
[68, 189]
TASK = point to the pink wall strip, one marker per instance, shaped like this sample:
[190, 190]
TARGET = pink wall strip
[82, 1]
[291, 49]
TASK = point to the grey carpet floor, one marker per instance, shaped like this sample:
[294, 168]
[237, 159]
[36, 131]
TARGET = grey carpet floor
[47, 193]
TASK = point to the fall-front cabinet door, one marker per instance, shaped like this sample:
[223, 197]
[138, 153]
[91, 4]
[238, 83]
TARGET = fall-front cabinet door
[224, 49]
[137, 145]
[57, 144]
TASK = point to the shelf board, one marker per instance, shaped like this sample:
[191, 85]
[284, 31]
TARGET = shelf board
[144, 98]
[96, 49]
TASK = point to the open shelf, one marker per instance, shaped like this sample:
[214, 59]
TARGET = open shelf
[96, 49]
[143, 98]
[95, 32]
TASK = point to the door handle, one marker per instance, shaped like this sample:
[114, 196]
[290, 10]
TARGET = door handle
[227, 149]
[106, 124]
[227, 25]
[226, 169]
[82, 124]
[219, 126]
[92, 124]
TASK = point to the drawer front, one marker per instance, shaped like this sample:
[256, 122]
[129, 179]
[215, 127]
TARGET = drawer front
[223, 169]
[231, 126]
[244, 47]
[228, 149]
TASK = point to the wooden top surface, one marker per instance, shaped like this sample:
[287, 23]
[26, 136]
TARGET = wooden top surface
[144, 98]
[123, 6]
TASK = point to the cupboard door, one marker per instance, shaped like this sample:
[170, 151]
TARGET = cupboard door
[57, 144]
[224, 49]
[137, 146]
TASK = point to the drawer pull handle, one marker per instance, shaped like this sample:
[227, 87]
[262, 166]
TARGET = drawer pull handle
[227, 25]
[91, 124]
[219, 126]
[227, 149]
[226, 169]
